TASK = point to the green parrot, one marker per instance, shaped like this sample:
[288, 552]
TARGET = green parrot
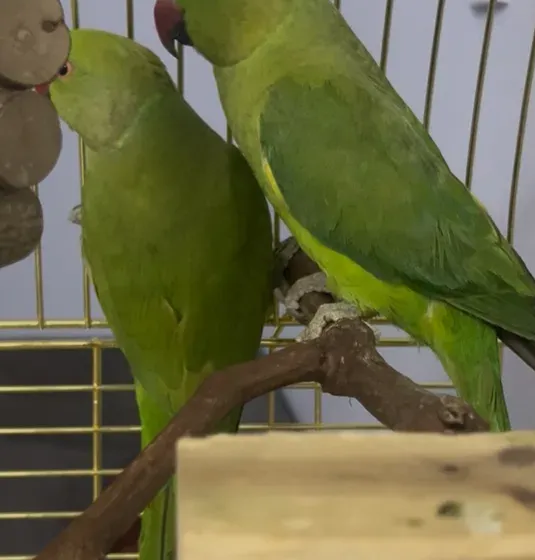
[362, 186]
[175, 231]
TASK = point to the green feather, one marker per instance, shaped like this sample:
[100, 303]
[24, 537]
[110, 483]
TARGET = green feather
[392, 204]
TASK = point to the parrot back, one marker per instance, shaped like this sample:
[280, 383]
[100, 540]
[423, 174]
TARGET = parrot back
[178, 239]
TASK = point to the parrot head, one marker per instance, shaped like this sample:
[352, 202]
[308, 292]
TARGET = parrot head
[223, 31]
[104, 84]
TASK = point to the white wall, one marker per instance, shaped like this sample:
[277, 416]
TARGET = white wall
[411, 36]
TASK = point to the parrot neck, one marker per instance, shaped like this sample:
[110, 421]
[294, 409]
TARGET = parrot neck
[226, 40]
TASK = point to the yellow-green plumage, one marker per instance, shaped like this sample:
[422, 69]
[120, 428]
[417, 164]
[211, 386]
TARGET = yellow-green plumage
[175, 232]
[363, 187]
[461, 342]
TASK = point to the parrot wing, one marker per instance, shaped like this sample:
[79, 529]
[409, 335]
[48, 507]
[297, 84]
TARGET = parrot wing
[357, 170]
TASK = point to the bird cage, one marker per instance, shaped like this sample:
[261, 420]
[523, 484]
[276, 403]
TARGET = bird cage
[68, 415]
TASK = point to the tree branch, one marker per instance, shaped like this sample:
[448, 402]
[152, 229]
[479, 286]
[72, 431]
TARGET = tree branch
[343, 361]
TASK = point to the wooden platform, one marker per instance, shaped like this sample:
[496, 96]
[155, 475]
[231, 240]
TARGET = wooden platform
[334, 496]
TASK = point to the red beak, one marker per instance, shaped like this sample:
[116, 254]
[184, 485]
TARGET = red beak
[43, 89]
[169, 22]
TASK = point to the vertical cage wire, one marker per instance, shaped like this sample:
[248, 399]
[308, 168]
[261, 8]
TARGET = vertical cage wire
[130, 19]
[96, 416]
[519, 148]
[431, 76]
[271, 396]
[180, 68]
[273, 342]
[387, 27]
[38, 278]
[480, 85]
[86, 281]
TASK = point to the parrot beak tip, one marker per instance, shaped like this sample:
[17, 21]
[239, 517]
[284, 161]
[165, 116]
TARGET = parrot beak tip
[43, 89]
[180, 34]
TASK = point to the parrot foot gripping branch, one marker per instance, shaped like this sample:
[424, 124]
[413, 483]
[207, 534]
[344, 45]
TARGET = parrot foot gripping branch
[314, 283]
[327, 314]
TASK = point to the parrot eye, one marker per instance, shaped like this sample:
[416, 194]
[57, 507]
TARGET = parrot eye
[65, 70]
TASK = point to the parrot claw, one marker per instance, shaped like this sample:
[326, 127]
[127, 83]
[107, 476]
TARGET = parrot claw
[330, 313]
[75, 215]
[285, 252]
[283, 255]
[316, 282]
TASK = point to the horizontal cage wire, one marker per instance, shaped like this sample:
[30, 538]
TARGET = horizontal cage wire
[279, 327]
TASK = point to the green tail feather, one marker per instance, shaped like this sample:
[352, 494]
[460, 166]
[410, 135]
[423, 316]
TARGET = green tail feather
[470, 354]
[157, 539]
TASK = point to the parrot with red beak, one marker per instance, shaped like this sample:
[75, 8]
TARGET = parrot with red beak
[362, 185]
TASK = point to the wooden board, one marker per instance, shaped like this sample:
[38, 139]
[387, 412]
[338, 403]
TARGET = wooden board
[323, 496]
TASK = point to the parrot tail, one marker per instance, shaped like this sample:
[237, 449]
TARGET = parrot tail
[470, 354]
[480, 384]
[157, 536]
[156, 539]
[522, 347]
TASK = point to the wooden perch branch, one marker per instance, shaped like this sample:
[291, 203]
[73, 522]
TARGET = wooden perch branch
[343, 361]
